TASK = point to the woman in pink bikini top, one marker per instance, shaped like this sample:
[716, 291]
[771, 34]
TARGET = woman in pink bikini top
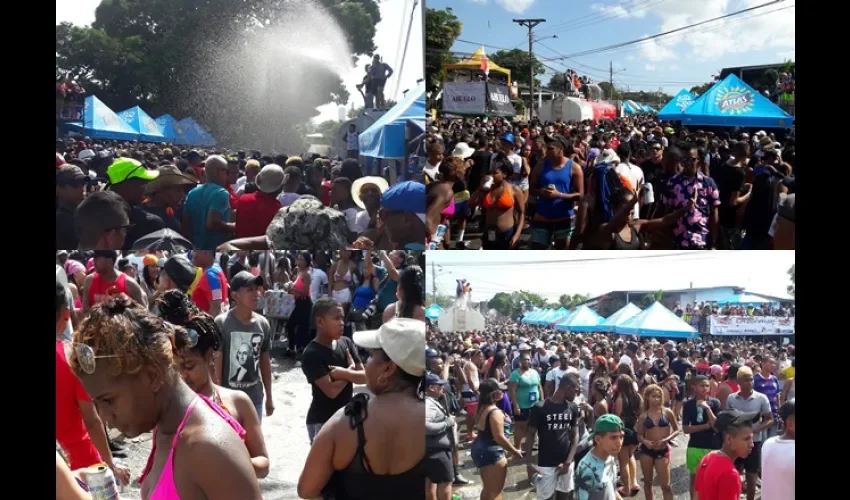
[125, 358]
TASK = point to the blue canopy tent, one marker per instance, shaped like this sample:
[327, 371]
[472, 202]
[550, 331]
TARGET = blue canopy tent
[746, 299]
[543, 318]
[142, 124]
[100, 122]
[733, 103]
[673, 109]
[172, 130]
[630, 107]
[583, 319]
[559, 315]
[656, 321]
[530, 316]
[618, 318]
[646, 109]
[386, 137]
[196, 133]
[433, 312]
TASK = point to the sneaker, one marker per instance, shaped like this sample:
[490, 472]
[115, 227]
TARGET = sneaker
[461, 481]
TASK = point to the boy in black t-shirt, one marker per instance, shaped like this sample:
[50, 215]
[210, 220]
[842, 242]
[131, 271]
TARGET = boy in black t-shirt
[331, 365]
[556, 421]
[698, 416]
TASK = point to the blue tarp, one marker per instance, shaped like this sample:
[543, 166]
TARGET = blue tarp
[196, 133]
[733, 103]
[172, 130]
[434, 311]
[386, 137]
[543, 318]
[583, 319]
[673, 109]
[646, 109]
[143, 124]
[618, 318]
[100, 122]
[746, 299]
[656, 321]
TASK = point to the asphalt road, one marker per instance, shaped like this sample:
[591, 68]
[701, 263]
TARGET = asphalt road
[285, 433]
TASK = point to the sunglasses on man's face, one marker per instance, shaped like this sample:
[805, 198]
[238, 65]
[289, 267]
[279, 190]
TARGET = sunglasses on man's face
[688, 160]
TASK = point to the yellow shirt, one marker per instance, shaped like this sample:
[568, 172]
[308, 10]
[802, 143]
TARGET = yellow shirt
[788, 372]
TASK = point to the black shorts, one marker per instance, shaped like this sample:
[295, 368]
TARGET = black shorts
[523, 415]
[655, 454]
[438, 467]
[682, 389]
[752, 463]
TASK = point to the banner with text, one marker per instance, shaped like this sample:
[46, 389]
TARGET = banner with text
[500, 101]
[751, 325]
[464, 98]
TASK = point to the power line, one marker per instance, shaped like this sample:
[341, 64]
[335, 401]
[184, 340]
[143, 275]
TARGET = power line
[669, 32]
[404, 54]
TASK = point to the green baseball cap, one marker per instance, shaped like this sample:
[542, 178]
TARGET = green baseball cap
[124, 169]
[607, 423]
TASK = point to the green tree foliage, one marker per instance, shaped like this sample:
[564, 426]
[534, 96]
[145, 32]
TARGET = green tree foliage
[502, 302]
[442, 28]
[513, 304]
[700, 89]
[572, 301]
[610, 304]
[792, 288]
[182, 57]
[517, 61]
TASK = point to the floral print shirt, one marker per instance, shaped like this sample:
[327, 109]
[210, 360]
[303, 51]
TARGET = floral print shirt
[692, 230]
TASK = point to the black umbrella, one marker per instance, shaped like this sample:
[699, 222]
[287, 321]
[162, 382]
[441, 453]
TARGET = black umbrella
[164, 239]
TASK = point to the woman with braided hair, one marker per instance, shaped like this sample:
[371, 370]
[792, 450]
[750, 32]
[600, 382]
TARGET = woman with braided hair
[411, 303]
[126, 358]
[197, 366]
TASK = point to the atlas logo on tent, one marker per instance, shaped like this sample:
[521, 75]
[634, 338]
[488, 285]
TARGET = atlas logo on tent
[684, 101]
[148, 123]
[735, 100]
[109, 120]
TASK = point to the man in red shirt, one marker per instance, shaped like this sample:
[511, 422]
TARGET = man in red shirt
[79, 429]
[106, 281]
[717, 478]
[257, 209]
[211, 291]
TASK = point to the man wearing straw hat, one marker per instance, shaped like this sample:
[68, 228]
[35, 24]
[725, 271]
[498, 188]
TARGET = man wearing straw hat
[166, 193]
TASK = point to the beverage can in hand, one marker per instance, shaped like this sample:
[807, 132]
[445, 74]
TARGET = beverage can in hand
[488, 183]
[648, 194]
[101, 483]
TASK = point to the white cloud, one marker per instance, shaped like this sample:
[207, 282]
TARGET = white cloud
[752, 31]
[673, 67]
[619, 11]
[649, 67]
[788, 54]
[515, 6]
[78, 12]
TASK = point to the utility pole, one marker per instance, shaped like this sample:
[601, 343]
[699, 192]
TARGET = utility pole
[611, 78]
[530, 23]
[434, 281]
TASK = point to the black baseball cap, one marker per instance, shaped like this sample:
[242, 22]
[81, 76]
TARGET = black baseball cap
[433, 379]
[730, 418]
[243, 279]
[181, 271]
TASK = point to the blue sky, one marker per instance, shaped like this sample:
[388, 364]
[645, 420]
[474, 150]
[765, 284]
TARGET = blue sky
[551, 274]
[763, 36]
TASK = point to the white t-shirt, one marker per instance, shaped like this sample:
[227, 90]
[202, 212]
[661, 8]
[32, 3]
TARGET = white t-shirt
[778, 458]
[556, 374]
[362, 221]
[635, 175]
[431, 170]
[584, 373]
[351, 219]
[318, 279]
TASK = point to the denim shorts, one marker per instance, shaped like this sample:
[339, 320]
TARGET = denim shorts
[484, 455]
[499, 240]
[543, 232]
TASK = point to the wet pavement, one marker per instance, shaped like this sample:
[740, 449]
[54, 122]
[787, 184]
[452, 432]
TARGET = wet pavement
[285, 433]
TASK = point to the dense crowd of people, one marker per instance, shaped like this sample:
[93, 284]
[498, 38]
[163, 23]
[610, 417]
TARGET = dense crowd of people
[113, 195]
[584, 411]
[181, 345]
[625, 184]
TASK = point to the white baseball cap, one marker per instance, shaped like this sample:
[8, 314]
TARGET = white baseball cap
[402, 339]
[462, 150]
